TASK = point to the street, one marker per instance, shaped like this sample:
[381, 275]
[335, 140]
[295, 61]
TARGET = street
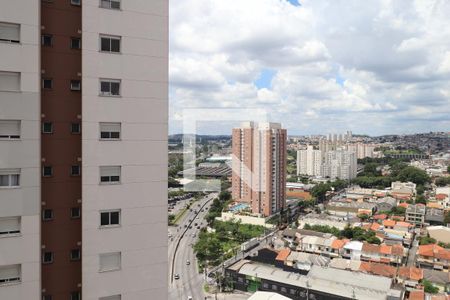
[190, 282]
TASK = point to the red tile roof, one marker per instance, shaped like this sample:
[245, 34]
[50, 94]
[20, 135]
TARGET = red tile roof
[434, 250]
[283, 254]
[410, 273]
[380, 217]
[404, 204]
[441, 196]
[339, 244]
[388, 223]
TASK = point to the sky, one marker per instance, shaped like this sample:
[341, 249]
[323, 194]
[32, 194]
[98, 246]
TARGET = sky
[373, 67]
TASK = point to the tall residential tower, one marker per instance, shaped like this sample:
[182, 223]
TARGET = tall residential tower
[83, 149]
[259, 166]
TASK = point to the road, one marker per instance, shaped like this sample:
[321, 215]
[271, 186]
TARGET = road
[190, 282]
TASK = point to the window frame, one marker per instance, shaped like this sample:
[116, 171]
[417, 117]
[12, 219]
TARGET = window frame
[12, 41]
[110, 37]
[46, 131]
[15, 76]
[51, 171]
[72, 169]
[17, 172]
[11, 137]
[44, 217]
[52, 257]
[13, 280]
[73, 85]
[77, 3]
[109, 212]
[75, 258]
[46, 35]
[110, 133]
[110, 6]
[111, 269]
[110, 181]
[75, 295]
[72, 127]
[48, 80]
[12, 233]
[79, 43]
[72, 215]
[110, 81]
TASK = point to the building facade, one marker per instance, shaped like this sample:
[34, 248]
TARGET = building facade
[340, 164]
[309, 161]
[83, 149]
[259, 166]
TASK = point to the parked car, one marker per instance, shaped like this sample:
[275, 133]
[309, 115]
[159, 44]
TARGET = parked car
[177, 276]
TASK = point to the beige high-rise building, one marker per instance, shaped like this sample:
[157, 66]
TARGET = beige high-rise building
[259, 166]
[309, 161]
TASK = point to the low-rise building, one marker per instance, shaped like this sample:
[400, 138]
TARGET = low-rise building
[433, 257]
[439, 233]
[415, 214]
[438, 278]
[352, 208]
[434, 216]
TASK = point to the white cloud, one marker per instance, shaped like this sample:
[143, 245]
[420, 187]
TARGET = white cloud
[373, 67]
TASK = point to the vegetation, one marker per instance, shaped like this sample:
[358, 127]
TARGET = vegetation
[212, 248]
[442, 181]
[217, 206]
[320, 190]
[354, 233]
[171, 219]
[447, 218]
[429, 287]
[426, 240]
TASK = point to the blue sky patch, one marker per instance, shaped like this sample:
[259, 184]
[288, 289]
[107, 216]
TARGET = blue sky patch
[294, 2]
[265, 78]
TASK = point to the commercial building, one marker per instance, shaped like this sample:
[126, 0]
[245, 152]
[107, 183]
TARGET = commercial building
[83, 143]
[259, 166]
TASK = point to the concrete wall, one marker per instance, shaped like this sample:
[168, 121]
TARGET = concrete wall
[24, 153]
[142, 67]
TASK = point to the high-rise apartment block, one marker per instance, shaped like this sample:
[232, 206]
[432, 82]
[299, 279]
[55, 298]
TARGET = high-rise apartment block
[309, 161]
[339, 164]
[259, 166]
[361, 150]
[83, 149]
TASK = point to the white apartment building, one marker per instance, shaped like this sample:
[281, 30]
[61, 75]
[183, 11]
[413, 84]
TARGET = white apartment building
[124, 187]
[340, 164]
[361, 150]
[19, 150]
[309, 161]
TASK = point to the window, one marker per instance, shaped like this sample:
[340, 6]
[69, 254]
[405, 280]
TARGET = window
[109, 261]
[47, 40]
[75, 43]
[9, 129]
[75, 254]
[75, 296]
[10, 81]
[110, 131]
[9, 226]
[274, 287]
[75, 2]
[47, 127]
[115, 297]
[110, 218]
[110, 174]
[47, 171]
[75, 128]
[75, 85]
[47, 297]
[47, 214]
[75, 212]
[9, 274]
[110, 44]
[9, 32]
[109, 87]
[47, 83]
[47, 257]
[9, 178]
[113, 4]
[75, 170]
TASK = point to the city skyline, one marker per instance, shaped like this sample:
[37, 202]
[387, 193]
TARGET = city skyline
[386, 66]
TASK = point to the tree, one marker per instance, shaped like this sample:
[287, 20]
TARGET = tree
[421, 199]
[442, 181]
[413, 174]
[448, 169]
[319, 191]
[429, 287]
[426, 240]
[363, 217]
[447, 218]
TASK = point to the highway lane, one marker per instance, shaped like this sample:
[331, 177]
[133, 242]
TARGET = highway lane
[190, 282]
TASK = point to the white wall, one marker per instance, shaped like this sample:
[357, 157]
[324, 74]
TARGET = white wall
[142, 151]
[23, 153]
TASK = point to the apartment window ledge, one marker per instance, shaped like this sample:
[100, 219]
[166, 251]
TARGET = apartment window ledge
[10, 283]
[109, 8]
[109, 226]
[110, 183]
[112, 140]
[10, 43]
[110, 52]
[10, 235]
[10, 140]
[9, 187]
[109, 96]
[10, 91]
[110, 270]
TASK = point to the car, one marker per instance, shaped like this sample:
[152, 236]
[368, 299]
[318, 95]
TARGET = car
[198, 227]
[195, 224]
[177, 276]
[188, 262]
[189, 298]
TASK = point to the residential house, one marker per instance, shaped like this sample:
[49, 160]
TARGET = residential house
[415, 214]
[410, 277]
[353, 250]
[438, 278]
[433, 256]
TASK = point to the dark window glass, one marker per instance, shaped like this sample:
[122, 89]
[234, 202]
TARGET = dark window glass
[75, 254]
[115, 4]
[75, 43]
[104, 87]
[105, 135]
[47, 40]
[47, 297]
[75, 212]
[114, 218]
[47, 214]
[75, 170]
[75, 85]
[47, 171]
[47, 257]
[47, 83]
[115, 88]
[104, 218]
[105, 178]
[75, 296]
[105, 44]
[47, 127]
[75, 128]
[115, 45]
[115, 178]
[115, 135]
